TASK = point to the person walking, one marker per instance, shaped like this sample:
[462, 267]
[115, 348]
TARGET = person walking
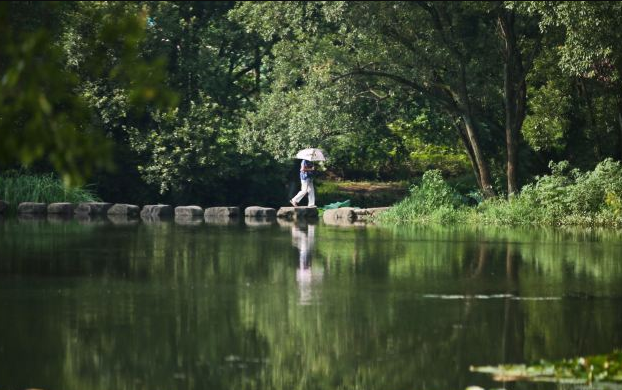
[307, 169]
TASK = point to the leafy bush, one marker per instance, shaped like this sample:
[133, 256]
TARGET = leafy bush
[434, 192]
[432, 200]
[565, 197]
[572, 192]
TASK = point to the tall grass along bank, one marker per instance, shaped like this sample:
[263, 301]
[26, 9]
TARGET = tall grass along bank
[565, 197]
[16, 188]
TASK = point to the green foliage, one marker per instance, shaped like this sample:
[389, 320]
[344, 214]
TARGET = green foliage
[433, 192]
[572, 191]
[320, 95]
[18, 187]
[614, 203]
[565, 197]
[292, 120]
[547, 124]
[41, 118]
[430, 144]
[185, 150]
[592, 44]
[191, 153]
[58, 51]
[200, 97]
[431, 201]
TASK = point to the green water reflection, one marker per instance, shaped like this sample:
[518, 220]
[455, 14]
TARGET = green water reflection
[93, 304]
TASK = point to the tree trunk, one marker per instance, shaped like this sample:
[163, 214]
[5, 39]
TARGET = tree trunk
[515, 95]
[257, 69]
[591, 118]
[462, 103]
[465, 141]
[482, 166]
[617, 88]
[511, 136]
[619, 151]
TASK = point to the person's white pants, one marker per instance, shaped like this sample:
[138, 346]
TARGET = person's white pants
[306, 188]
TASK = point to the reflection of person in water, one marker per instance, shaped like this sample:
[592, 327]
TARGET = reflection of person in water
[304, 240]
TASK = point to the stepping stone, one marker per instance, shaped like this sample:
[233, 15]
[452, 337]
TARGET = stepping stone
[32, 208]
[260, 212]
[129, 210]
[93, 208]
[222, 211]
[29, 218]
[342, 214]
[64, 208]
[222, 220]
[297, 213]
[188, 211]
[300, 223]
[156, 210]
[59, 218]
[189, 220]
[122, 219]
[88, 219]
[3, 206]
[154, 218]
[259, 221]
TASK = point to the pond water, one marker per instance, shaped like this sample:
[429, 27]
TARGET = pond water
[175, 305]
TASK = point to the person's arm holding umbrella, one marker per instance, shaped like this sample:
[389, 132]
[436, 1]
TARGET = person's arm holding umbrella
[307, 166]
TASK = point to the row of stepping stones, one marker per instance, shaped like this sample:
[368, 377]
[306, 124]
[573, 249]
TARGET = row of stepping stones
[159, 210]
[343, 215]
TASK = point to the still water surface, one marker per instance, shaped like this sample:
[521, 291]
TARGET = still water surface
[172, 305]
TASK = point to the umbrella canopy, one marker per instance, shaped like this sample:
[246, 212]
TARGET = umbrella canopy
[311, 154]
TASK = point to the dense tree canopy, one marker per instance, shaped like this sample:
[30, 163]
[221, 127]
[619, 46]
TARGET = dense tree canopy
[208, 102]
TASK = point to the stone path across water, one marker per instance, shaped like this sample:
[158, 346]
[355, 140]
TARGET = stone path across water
[253, 215]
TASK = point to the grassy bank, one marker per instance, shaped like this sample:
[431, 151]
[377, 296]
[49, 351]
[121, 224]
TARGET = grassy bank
[16, 188]
[566, 197]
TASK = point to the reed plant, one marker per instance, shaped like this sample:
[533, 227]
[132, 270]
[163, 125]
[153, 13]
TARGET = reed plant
[16, 187]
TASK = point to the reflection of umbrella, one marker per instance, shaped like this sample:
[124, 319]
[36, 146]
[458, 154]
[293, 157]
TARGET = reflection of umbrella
[311, 154]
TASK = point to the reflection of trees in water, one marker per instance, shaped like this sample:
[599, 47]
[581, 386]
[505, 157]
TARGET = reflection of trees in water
[169, 306]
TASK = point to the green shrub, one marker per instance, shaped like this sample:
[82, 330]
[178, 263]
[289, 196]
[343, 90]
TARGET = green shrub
[574, 194]
[565, 197]
[614, 203]
[433, 193]
[431, 201]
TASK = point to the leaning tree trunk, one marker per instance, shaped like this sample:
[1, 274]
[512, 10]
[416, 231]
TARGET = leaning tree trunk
[467, 146]
[462, 103]
[482, 165]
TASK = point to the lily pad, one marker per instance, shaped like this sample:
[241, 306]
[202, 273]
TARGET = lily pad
[581, 370]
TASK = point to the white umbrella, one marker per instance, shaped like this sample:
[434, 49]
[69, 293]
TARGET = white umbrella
[311, 154]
